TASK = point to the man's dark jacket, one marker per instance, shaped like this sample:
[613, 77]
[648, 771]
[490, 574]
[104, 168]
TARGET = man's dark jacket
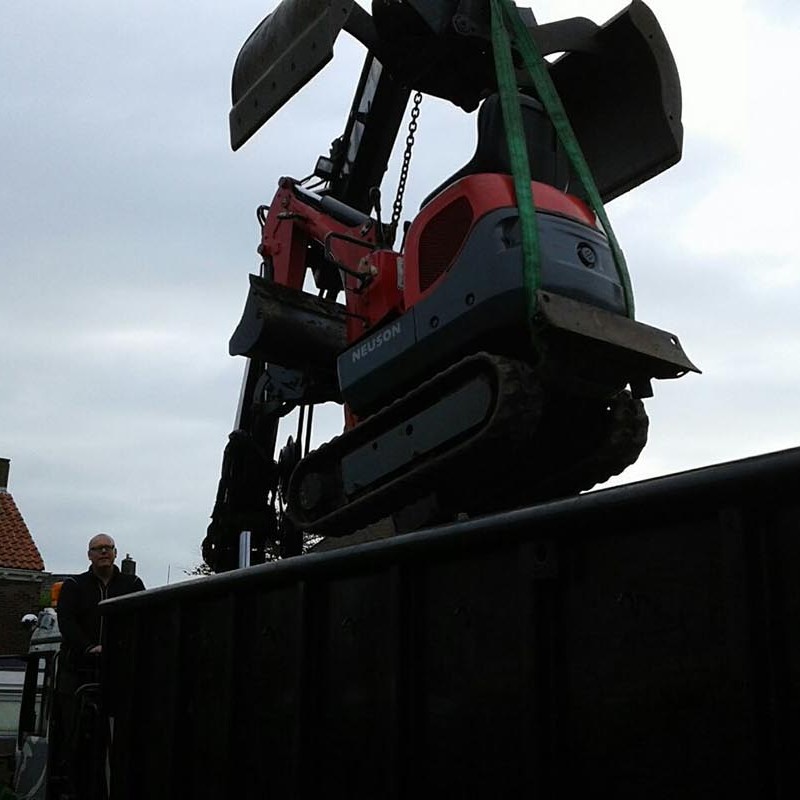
[79, 618]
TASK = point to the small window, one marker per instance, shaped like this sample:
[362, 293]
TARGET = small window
[9, 712]
[12, 678]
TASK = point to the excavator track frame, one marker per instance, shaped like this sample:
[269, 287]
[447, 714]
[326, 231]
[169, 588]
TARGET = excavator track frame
[535, 447]
[515, 404]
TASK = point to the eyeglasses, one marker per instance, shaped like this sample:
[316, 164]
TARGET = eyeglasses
[103, 548]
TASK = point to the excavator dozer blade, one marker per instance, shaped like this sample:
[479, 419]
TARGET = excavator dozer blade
[280, 56]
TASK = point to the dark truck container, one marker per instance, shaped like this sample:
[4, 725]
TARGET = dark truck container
[638, 642]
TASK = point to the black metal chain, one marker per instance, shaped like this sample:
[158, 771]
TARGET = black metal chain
[397, 207]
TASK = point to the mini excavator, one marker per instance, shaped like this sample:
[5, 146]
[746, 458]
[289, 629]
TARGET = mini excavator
[490, 358]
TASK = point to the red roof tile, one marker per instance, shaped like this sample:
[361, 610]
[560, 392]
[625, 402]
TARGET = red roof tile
[17, 548]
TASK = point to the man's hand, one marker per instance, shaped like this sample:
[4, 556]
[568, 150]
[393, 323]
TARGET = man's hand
[95, 651]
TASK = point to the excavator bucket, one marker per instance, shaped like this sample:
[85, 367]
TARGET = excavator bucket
[624, 101]
[280, 56]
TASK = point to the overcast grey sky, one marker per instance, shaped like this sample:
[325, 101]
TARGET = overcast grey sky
[127, 231]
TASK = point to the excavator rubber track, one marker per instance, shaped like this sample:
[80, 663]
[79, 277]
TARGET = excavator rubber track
[478, 436]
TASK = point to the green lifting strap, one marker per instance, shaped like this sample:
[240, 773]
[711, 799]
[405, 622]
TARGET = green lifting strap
[518, 153]
[505, 17]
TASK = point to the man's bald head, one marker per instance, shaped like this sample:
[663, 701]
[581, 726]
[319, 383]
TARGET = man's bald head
[100, 539]
[102, 552]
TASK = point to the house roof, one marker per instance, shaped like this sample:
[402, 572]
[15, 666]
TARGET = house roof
[17, 548]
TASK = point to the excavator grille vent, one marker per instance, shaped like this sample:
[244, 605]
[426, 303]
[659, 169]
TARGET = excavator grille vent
[441, 240]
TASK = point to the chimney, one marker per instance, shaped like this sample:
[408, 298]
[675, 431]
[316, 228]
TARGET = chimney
[5, 464]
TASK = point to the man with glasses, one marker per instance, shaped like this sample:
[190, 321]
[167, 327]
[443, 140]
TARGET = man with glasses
[78, 615]
[78, 751]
